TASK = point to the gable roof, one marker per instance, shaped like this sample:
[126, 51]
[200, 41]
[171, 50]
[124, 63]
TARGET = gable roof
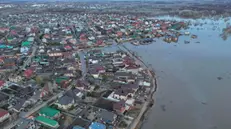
[47, 121]
[47, 111]
[119, 105]
[25, 44]
[19, 105]
[123, 91]
[106, 116]
[65, 100]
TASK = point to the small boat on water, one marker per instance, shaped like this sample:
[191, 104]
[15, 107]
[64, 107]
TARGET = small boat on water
[186, 42]
[146, 41]
[197, 42]
[194, 36]
[136, 43]
[187, 33]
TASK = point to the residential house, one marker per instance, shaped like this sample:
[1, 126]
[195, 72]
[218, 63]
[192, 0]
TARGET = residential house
[133, 68]
[49, 112]
[2, 84]
[55, 54]
[93, 60]
[82, 85]
[65, 102]
[119, 107]
[3, 99]
[47, 122]
[94, 73]
[75, 93]
[97, 125]
[107, 117]
[28, 73]
[144, 83]
[123, 93]
[36, 97]
[4, 115]
[19, 106]
[15, 78]
[127, 76]
[122, 74]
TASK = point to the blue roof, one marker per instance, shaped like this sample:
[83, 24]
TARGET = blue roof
[96, 125]
[78, 127]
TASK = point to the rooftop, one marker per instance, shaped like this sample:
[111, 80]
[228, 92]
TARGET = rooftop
[47, 121]
[47, 111]
[96, 125]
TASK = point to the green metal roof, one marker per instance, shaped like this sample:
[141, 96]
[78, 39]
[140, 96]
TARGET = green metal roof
[47, 111]
[47, 121]
[60, 79]
[25, 44]
[10, 38]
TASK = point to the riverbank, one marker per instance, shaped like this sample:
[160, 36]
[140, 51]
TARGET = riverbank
[137, 123]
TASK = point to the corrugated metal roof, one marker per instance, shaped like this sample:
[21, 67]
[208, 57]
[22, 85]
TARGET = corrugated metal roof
[47, 121]
[50, 112]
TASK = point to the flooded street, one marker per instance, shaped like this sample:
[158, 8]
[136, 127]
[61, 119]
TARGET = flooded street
[194, 81]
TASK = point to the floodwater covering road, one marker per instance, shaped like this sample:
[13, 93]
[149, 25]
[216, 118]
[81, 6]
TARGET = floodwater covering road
[194, 80]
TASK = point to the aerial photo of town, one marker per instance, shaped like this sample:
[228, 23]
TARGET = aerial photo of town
[101, 64]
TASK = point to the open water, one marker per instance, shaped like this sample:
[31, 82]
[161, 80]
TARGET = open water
[194, 80]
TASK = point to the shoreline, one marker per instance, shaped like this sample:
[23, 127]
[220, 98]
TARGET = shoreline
[138, 122]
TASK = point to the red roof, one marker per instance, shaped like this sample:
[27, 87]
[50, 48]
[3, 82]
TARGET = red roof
[3, 112]
[1, 83]
[28, 73]
[99, 42]
[13, 32]
[99, 68]
[119, 33]
[133, 67]
[67, 47]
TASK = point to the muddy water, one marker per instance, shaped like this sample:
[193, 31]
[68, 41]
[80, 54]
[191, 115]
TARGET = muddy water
[194, 81]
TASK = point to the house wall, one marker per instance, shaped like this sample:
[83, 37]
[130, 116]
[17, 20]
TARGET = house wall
[95, 75]
[65, 107]
[135, 71]
[120, 96]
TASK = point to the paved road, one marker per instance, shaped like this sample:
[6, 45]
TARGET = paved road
[36, 109]
[33, 110]
[83, 64]
[28, 61]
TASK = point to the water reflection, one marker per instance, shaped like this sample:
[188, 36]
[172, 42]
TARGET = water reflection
[194, 80]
